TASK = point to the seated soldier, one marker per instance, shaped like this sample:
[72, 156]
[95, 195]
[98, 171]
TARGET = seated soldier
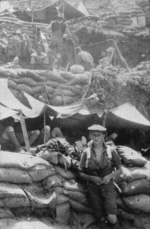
[39, 60]
[8, 140]
[36, 137]
[56, 133]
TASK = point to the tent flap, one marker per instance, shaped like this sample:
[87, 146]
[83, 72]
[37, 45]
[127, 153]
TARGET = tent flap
[129, 112]
[6, 112]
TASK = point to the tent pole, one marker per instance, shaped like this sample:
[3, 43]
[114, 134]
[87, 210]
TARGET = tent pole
[105, 117]
[25, 133]
[44, 127]
[32, 16]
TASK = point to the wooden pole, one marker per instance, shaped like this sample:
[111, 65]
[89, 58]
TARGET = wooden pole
[32, 16]
[44, 127]
[25, 133]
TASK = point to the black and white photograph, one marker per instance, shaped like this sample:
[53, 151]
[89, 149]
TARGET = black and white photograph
[74, 114]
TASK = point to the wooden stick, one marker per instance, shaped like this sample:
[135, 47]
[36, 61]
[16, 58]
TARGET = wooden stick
[25, 133]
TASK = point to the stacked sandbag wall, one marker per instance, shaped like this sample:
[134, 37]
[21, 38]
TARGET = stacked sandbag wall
[60, 88]
[32, 186]
[134, 199]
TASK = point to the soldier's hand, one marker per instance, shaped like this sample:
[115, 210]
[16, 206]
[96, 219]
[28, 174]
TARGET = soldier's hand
[97, 180]
[107, 179]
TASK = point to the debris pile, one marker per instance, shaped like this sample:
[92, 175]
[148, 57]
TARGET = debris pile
[121, 85]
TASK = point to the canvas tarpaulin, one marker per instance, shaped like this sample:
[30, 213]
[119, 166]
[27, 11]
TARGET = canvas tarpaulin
[6, 112]
[64, 111]
[128, 112]
[9, 100]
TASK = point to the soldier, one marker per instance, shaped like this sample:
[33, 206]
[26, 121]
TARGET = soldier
[97, 166]
[57, 28]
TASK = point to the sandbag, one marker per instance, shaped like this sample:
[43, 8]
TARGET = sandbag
[5, 73]
[58, 190]
[62, 100]
[61, 199]
[80, 79]
[25, 88]
[135, 173]
[54, 76]
[48, 155]
[66, 174]
[141, 186]
[71, 185]
[14, 202]
[76, 68]
[63, 213]
[49, 89]
[15, 176]
[53, 181]
[40, 172]
[51, 83]
[64, 92]
[138, 202]
[131, 157]
[67, 75]
[75, 89]
[28, 81]
[33, 74]
[4, 213]
[12, 84]
[10, 190]
[22, 161]
[37, 90]
[79, 207]
[41, 200]
[77, 196]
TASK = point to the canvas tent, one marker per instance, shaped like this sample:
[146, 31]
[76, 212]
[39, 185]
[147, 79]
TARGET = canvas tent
[127, 116]
[5, 112]
[45, 11]
[64, 111]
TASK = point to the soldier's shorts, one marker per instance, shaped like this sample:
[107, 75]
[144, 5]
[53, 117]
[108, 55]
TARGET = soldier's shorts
[101, 198]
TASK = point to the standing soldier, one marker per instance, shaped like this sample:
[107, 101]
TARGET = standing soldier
[57, 28]
[100, 164]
